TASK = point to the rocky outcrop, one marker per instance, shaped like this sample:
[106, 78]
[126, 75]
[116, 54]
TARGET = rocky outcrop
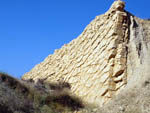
[135, 97]
[94, 64]
[107, 67]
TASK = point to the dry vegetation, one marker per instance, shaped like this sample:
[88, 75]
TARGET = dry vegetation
[19, 96]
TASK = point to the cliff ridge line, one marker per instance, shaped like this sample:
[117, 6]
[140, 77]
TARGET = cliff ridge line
[94, 64]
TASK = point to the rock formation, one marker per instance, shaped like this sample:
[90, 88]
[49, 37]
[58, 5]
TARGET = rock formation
[94, 64]
[107, 66]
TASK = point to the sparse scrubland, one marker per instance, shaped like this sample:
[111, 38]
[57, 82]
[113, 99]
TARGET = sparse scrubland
[25, 96]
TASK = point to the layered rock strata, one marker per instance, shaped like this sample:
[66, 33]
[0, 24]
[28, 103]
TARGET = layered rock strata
[107, 63]
[95, 63]
[135, 97]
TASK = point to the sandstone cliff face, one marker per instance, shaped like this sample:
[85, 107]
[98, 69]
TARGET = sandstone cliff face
[94, 64]
[106, 66]
[135, 97]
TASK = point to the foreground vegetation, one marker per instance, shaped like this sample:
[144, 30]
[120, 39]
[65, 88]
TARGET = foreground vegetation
[26, 96]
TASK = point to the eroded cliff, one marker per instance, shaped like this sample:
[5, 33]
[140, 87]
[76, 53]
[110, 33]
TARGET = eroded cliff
[107, 66]
[94, 64]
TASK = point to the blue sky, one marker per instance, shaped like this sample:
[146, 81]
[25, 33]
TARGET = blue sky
[30, 30]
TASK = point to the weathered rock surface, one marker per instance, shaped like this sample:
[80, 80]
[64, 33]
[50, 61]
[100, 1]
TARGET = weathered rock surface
[107, 66]
[135, 97]
[94, 64]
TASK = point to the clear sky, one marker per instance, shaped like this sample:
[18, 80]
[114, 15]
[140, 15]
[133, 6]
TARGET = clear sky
[30, 30]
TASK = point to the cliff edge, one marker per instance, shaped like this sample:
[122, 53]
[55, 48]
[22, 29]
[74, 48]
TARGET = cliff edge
[106, 67]
[94, 64]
